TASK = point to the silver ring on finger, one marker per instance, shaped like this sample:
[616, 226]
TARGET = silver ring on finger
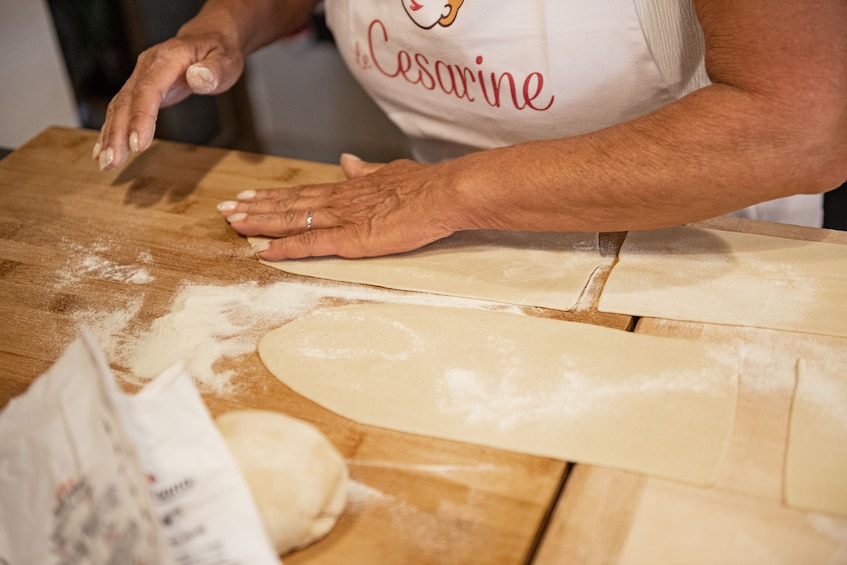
[308, 220]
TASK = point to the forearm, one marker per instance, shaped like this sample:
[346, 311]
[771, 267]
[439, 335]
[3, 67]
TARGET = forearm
[250, 24]
[715, 151]
[774, 123]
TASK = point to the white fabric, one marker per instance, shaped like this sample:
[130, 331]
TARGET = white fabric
[562, 68]
[676, 42]
[800, 209]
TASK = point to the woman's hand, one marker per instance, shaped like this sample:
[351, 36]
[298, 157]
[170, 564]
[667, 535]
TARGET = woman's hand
[379, 210]
[167, 73]
[206, 57]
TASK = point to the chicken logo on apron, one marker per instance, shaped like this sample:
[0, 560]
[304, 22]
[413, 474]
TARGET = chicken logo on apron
[429, 13]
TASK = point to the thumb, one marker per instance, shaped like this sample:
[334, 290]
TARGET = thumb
[354, 167]
[212, 75]
[201, 79]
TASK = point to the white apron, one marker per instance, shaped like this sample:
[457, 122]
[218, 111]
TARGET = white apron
[457, 78]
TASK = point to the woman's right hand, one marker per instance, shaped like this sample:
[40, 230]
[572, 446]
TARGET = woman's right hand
[167, 73]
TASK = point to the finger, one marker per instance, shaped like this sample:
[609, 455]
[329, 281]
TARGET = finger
[354, 167]
[164, 75]
[131, 116]
[274, 200]
[342, 241]
[270, 202]
[280, 224]
[314, 243]
[130, 126]
[214, 74]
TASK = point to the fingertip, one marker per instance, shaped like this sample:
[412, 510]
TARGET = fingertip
[227, 207]
[106, 158]
[145, 139]
[261, 247]
[95, 152]
[352, 165]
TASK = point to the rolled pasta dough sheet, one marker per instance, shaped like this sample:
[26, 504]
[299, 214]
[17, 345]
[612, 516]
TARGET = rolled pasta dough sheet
[570, 391]
[816, 466]
[724, 277]
[524, 268]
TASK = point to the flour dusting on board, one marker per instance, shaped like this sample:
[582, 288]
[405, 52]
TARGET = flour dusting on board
[110, 326]
[834, 529]
[94, 261]
[826, 390]
[360, 496]
[208, 323]
[443, 470]
[440, 533]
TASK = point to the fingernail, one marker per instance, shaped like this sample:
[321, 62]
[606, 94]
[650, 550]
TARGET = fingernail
[236, 217]
[96, 151]
[246, 195]
[201, 78]
[350, 156]
[133, 142]
[227, 206]
[263, 246]
[106, 158]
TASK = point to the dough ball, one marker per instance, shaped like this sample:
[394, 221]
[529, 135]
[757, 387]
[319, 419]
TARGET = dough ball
[297, 477]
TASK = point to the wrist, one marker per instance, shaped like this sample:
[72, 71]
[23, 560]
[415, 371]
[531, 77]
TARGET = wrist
[475, 194]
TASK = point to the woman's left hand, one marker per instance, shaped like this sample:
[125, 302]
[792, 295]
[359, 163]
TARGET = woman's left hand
[380, 210]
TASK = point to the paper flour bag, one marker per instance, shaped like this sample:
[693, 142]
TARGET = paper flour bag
[71, 489]
[198, 492]
[91, 475]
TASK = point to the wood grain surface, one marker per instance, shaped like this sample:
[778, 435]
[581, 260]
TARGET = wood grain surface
[63, 223]
[615, 517]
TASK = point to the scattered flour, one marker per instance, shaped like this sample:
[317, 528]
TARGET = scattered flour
[92, 261]
[826, 390]
[832, 528]
[107, 270]
[208, 323]
[110, 326]
[769, 357]
[440, 470]
[514, 399]
[360, 495]
[439, 535]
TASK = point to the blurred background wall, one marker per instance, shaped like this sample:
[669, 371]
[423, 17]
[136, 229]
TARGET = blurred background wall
[36, 91]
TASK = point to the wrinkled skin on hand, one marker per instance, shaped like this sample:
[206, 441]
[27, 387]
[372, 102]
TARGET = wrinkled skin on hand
[165, 74]
[379, 210]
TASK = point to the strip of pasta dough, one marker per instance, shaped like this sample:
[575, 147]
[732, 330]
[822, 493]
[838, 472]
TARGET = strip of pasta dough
[571, 391]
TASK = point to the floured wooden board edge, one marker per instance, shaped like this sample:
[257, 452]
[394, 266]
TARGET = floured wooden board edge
[816, 464]
[660, 406]
[544, 269]
[731, 278]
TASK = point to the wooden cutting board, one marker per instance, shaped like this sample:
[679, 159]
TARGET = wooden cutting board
[79, 246]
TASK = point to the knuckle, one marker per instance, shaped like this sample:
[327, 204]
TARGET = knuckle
[158, 51]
